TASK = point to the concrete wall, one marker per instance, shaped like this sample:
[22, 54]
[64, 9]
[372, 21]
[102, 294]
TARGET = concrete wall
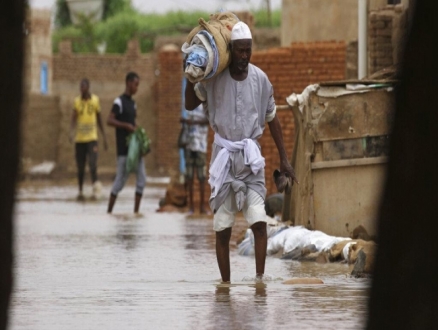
[321, 20]
[346, 197]
[38, 49]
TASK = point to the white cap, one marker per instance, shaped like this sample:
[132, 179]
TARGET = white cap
[240, 31]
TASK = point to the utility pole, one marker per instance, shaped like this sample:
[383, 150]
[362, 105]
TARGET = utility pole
[268, 10]
[362, 38]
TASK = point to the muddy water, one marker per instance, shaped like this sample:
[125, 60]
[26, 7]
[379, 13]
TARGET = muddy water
[79, 268]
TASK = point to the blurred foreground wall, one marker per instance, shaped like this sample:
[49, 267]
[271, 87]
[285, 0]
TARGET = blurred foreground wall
[11, 71]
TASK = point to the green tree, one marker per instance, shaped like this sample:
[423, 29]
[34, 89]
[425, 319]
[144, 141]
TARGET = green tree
[113, 7]
[124, 25]
[62, 17]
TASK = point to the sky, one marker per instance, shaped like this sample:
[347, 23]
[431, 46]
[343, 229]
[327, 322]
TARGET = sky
[162, 6]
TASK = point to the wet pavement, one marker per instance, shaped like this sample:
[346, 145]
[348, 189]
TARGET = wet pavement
[78, 268]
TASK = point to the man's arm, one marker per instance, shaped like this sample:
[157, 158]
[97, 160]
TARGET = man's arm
[277, 135]
[191, 100]
[112, 121]
[99, 122]
[74, 118]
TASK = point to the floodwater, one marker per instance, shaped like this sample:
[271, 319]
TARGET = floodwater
[79, 268]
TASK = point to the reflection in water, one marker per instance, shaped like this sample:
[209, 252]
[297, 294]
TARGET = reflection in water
[79, 268]
[128, 233]
[230, 311]
[260, 293]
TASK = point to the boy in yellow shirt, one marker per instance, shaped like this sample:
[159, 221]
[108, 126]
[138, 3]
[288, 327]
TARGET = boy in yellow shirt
[85, 116]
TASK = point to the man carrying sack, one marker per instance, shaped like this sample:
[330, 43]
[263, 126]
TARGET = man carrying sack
[240, 101]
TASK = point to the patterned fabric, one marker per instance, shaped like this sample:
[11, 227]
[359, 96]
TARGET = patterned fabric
[197, 133]
[195, 161]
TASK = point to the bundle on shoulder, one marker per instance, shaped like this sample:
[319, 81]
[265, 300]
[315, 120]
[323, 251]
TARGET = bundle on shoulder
[207, 47]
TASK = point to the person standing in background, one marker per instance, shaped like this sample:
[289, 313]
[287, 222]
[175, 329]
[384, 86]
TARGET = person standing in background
[196, 154]
[122, 117]
[83, 130]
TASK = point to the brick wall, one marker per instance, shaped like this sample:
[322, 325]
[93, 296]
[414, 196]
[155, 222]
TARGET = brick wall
[40, 128]
[290, 69]
[108, 67]
[269, 149]
[168, 109]
[107, 80]
[387, 28]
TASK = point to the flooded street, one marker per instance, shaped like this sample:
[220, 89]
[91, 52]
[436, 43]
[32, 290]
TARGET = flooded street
[78, 268]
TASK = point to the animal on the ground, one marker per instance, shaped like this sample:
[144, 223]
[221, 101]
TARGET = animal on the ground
[362, 255]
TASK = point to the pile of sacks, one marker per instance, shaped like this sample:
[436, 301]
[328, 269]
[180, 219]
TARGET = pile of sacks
[301, 244]
[287, 240]
[175, 199]
[207, 47]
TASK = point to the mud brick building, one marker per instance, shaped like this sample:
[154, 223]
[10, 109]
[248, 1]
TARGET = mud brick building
[160, 97]
[386, 29]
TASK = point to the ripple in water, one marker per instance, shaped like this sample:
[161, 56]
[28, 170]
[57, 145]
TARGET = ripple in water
[262, 279]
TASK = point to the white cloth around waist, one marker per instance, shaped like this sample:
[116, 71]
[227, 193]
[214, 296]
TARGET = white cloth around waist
[221, 165]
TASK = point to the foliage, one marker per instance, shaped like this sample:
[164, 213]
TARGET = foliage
[113, 7]
[62, 17]
[118, 29]
[83, 37]
[262, 20]
[139, 145]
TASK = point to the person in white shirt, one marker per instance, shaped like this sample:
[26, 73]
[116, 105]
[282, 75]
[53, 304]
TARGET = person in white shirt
[239, 101]
[196, 154]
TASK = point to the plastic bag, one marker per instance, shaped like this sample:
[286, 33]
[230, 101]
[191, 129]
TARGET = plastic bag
[132, 158]
[145, 142]
[138, 146]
